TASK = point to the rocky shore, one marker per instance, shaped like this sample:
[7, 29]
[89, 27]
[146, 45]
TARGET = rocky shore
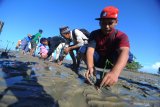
[27, 81]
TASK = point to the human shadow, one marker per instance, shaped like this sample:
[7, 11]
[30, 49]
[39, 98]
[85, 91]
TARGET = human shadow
[22, 86]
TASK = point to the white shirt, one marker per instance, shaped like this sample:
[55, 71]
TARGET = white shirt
[80, 40]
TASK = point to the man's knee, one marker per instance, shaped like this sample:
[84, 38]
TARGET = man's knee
[83, 49]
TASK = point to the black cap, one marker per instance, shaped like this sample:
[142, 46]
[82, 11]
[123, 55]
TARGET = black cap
[40, 30]
[42, 40]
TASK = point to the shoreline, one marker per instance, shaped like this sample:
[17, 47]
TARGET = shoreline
[68, 60]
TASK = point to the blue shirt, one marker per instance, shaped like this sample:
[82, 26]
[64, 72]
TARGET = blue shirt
[28, 39]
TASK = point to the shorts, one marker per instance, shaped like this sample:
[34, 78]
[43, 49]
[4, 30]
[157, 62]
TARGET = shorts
[83, 50]
[33, 44]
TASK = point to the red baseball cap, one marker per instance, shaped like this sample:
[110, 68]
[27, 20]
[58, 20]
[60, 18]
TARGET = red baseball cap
[109, 12]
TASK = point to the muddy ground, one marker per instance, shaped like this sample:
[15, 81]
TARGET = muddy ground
[27, 81]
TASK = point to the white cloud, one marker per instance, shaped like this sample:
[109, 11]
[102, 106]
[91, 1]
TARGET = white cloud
[148, 69]
[151, 68]
[156, 65]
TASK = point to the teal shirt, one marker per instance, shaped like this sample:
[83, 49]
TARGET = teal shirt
[36, 37]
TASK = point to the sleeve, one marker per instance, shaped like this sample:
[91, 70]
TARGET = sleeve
[124, 41]
[51, 49]
[80, 37]
[92, 41]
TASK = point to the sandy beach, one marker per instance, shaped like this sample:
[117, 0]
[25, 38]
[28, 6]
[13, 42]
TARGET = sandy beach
[27, 81]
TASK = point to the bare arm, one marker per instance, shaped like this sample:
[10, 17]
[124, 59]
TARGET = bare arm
[66, 50]
[112, 77]
[122, 61]
[90, 53]
[90, 62]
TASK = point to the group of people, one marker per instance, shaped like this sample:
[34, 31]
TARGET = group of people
[102, 45]
[29, 43]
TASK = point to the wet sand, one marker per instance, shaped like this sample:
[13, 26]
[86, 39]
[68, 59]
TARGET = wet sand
[27, 81]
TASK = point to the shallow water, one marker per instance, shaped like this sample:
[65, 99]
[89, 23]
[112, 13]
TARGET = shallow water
[49, 81]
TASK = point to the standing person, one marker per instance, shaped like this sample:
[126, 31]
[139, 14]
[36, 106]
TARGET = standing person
[52, 43]
[79, 39]
[35, 41]
[109, 44]
[25, 44]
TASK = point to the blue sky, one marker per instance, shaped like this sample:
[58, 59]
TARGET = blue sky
[139, 19]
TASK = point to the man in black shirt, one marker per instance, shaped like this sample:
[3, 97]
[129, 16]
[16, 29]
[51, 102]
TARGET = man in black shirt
[52, 43]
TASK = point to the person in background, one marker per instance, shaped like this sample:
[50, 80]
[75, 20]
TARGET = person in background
[59, 53]
[18, 44]
[52, 43]
[35, 41]
[79, 39]
[107, 45]
[43, 50]
[25, 44]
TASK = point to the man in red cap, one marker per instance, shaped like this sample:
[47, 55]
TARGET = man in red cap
[109, 44]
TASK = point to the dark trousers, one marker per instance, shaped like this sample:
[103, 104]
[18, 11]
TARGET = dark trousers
[100, 61]
[75, 58]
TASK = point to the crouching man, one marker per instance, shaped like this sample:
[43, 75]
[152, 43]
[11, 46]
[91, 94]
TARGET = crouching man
[107, 44]
[52, 43]
[79, 39]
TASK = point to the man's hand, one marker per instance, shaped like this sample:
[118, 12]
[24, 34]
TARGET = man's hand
[44, 56]
[110, 79]
[89, 73]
